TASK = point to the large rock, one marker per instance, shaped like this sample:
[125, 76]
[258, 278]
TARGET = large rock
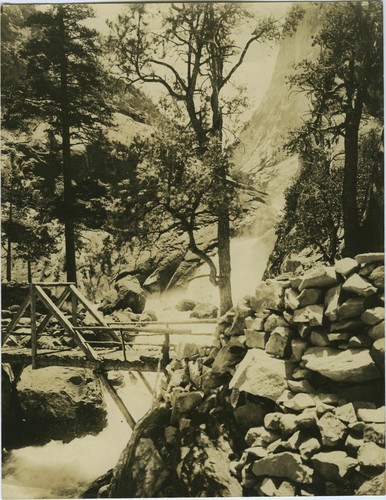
[377, 332]
[319, 277]
[332, 302]
[333, 465]
[286, 464]
[346, 266]
[351, 365]
[279, 342]
[357, 284]
[378, 354]
[186, 305]
[149, 470]
[310, 314]
[371, 455]
[377, 277]
[369, 258]
[332, 430]
[373, 316]
[351, 307]
[268, 296]
[227, 358]
[127, 294]
[61, 403]
[373, 486]
[204, 310]
[261, 375]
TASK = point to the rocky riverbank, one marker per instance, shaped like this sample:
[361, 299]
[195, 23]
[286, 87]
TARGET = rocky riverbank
[289, 402]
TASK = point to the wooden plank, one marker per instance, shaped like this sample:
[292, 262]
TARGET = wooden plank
[62, 298]
[51, 358]
[92, 310]
[117, 399]
[74, 306]
[53, 283]
[15, 320]
[88, 351]
[34, 337]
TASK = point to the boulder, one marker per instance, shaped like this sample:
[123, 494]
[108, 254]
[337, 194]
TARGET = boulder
[184, 402]
[333, 465]
[227, 358]
[288, 424]
[319, 338]
[373, 316]
[186, 305]
[309, 447]
[149, 470]
[351, 365]
[309, 296]
[310, 314]
[185, 350]
[288, 465]
[371, 455]
[373, 486]
[255, 339]
[278, 342]
[204, 310]
[369, 258]
[357, 284]
[347, 325]
[299, 386]
[258, 324]
[331, 302]
[249, 415]
[377, 332]
[346, 266]
[332, 430]
[274, 321]
[374, 433]
[346, 413]
[61, 403]
[351, 308]
[268, 295]
[298, 347]
[261, 375]
[291, 300]
[127, 294]
[377, 277]
[300, 402]
[373, 415]
[319, 277]
[278, 488]
[378, 354]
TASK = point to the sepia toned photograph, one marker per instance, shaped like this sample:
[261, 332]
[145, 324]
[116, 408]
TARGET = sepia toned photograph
[192, 249]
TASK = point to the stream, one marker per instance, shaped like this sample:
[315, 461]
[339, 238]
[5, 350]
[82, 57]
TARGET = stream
[65, 470]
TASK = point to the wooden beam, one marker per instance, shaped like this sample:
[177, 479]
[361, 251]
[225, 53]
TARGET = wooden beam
[62, 298]
[51, 358]
[92, 310]
[15, 320]
[88, 351]
[34, 337]
[116, 398]
[55, 283]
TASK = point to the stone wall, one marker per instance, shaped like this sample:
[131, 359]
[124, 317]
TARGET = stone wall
[289, 401]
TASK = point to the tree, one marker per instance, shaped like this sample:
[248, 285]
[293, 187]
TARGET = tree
[194, 57]
[67, 89]
[343, 85]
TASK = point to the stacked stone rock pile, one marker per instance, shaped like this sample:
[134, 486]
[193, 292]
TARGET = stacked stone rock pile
[295, 382]
[316, 349]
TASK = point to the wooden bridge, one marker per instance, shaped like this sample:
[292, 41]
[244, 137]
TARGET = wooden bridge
[126, 346]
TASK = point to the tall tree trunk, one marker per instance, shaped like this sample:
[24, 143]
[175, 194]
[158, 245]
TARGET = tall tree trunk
[350, 181]
[10, 220]
[29, 271]
[223, 224]
[69, 232]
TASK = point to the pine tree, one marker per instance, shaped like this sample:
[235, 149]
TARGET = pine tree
[66, 85]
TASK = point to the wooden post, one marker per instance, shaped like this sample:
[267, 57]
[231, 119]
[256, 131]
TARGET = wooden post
[165, 351]
[34, 337]
[123, 344]
[74, 306]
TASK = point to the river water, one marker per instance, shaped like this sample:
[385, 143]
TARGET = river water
[65, 470]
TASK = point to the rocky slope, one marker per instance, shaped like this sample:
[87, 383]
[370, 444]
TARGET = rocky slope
[289, 402]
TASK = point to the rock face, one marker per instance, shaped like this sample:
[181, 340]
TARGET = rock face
[61, 403]
[203, 310]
